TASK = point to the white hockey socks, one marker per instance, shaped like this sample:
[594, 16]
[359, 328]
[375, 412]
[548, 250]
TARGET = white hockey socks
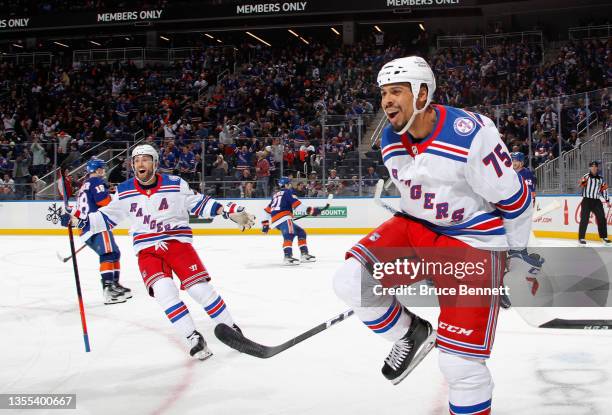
[469, 383]
[383, 314]
[205, 294]
[167, 295]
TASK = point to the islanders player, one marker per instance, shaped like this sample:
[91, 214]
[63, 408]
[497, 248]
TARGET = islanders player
[158, 206]
[461, 203]
[280, 212]
[94, 194]
[518, 164]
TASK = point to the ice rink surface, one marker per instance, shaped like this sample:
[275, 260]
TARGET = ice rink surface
[138, 365]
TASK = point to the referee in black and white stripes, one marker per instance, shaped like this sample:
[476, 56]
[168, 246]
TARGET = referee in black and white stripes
[593, 189]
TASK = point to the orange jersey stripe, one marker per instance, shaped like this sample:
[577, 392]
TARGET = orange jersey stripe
[104, 201]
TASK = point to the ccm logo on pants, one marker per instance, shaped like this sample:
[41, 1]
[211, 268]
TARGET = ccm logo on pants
[454, 329]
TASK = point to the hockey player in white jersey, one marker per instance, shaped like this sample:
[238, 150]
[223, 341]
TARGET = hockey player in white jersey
[461, 201]
[158, 207]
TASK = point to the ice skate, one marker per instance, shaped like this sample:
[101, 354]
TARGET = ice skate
[288, 260]
[582, 242]
[111, 294]
[308, 258]
[199, 348]
[606, 241]
[127, 293]
[408, 351]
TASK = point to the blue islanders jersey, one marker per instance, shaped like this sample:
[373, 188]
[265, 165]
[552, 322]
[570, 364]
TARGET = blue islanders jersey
[528, 177]
[281, 206]
[93, 194]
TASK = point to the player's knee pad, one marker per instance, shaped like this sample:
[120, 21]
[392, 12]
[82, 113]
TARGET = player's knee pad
[300, 232]
[353, 283]
[288, 236]
[110, 256]
[469, 380]
[203, 292]
[165, 292]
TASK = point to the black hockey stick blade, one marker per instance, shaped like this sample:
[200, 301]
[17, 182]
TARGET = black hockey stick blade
[237, 341]
[559, 323]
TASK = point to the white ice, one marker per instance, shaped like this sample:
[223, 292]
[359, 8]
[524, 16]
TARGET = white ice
[138, 365]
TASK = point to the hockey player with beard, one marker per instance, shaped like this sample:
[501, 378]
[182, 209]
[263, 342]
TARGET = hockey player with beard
[158, 206]
[460, 200]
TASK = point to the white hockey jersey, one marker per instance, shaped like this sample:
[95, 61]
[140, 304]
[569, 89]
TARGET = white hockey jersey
[460, 182]
[157, 214]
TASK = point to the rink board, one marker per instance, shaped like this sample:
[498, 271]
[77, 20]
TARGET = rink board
[346, 216]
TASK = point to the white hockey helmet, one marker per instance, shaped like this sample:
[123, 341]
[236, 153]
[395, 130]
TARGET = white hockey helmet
[416, 71]
[145, 150]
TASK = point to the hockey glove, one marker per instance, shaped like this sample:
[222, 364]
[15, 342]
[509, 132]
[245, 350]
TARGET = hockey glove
[74, 221]
[313, 211]
[239, 215]
[523, 263]
[265, 226]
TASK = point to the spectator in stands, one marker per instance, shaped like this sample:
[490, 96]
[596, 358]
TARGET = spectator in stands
[542, 150]
[37, 185]
[354, 185]
[314, 186]
[63, 142]
[243, 160]
[21, 173]
[221, 166]
[5, 165]
[167, 163]
[262, 172]
[548, 119]
[370, 179]
[7, 187]
[334, 184]
[300, 189]
[246, 190]
[187, 164]
[97, 132]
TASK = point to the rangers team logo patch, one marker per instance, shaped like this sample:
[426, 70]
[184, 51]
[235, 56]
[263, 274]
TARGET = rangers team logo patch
[464, 126]
[374, 237]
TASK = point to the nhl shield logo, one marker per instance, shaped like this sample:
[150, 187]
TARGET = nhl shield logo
[415, 150]
[464, 126]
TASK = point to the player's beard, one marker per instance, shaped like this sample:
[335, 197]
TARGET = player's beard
[399, 120]
[145, 177]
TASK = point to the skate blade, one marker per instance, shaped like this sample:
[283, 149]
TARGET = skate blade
[203, 355]
[127, 296]
[290, 264]
[118, 301]
[307, 260]
[424, 350]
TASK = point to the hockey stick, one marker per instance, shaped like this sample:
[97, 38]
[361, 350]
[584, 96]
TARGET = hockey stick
[66, 259]
[377, 193]
[560, 323]
[75, 266]
[237, 341]
[546, 210]
[329, 199]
